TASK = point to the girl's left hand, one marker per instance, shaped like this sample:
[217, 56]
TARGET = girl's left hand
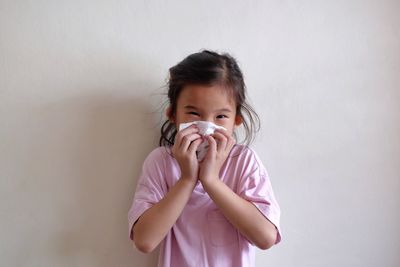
[220, 145]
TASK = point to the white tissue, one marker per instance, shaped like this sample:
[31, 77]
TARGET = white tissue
[205, 128]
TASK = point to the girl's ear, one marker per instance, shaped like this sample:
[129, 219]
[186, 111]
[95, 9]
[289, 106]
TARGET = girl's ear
[168, 113]
[238, 120]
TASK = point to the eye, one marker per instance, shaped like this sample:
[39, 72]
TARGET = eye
[193, 113]
[222, 116]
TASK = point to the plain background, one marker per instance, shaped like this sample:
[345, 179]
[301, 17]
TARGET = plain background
[81, 93]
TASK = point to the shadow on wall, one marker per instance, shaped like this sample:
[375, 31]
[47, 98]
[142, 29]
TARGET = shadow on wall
[99, 143]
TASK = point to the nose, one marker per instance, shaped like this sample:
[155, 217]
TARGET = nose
[208, 119]
[211, 119]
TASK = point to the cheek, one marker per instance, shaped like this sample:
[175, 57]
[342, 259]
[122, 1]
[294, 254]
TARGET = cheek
[183, 117]
[180, 116]
[230, 127]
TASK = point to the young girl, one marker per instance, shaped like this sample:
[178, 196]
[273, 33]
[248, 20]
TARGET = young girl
[213, 211]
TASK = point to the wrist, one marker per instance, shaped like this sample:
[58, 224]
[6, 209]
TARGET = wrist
[210, 182]
[188, 182]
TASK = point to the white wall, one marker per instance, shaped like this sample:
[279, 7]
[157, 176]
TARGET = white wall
[80, 84]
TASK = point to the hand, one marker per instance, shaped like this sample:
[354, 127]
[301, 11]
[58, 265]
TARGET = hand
[184, 151]
[220, 145]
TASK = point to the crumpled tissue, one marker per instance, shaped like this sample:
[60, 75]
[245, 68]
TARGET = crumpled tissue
[205, 128]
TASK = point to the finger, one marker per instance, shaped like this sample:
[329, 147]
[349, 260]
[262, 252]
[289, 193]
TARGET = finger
[194, 145]
[189, 130]
[212, 149]
[231, 141]
[222, 140]
[223, 132]
[187, 139]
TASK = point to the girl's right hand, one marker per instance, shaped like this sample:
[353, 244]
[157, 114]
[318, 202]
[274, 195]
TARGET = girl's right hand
[184, 151]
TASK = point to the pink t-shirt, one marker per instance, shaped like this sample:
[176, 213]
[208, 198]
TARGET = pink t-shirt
[202, 236]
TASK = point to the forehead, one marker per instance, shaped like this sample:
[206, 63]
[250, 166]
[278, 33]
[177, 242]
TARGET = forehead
[207, 96]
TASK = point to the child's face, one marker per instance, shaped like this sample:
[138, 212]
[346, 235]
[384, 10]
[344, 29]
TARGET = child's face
[206, 103]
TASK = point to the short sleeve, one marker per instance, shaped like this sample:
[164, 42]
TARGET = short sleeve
[151, 187]
[255, 186]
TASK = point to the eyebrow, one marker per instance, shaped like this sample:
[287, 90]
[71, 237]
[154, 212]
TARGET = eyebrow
[218, 110]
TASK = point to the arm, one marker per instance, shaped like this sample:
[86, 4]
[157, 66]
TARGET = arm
[243, 215]
[154, 224]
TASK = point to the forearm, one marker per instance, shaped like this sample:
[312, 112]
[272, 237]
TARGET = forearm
[154, 224]
[242, 214]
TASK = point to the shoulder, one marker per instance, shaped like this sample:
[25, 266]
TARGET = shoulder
[247, 158]
[161, 151]
[158, 155]
[244, 152]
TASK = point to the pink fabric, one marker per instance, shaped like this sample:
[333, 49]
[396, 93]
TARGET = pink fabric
[202, 236]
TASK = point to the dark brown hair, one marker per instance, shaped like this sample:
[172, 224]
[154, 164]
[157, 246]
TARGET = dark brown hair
[209, 68]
